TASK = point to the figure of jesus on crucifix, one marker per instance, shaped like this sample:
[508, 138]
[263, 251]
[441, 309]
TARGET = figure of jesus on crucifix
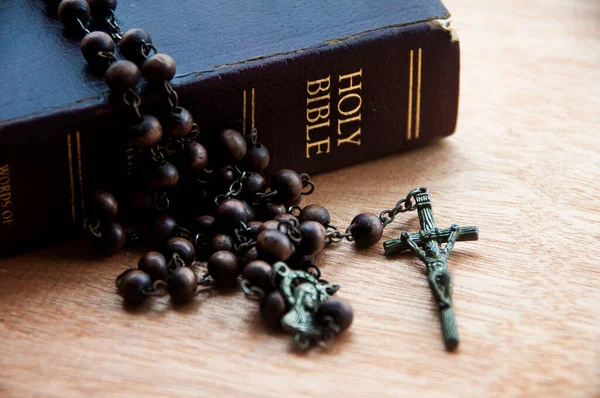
[426, 244]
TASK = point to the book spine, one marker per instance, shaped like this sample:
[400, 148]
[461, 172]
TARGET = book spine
[347, 101]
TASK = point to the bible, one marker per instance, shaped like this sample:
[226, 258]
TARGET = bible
[325, 84]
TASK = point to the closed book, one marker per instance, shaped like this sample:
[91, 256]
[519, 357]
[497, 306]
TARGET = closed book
[325, 83]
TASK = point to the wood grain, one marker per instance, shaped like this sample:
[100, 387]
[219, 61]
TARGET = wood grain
[524, 166]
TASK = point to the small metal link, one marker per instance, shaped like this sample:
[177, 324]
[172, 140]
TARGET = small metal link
[161, 201]
[334, 235]
[252, 292]
[94, 228]
[109, 56]
[235, 189]
[253, 137]
[172, 96]
[115, 31]
[289, 228]
[294, 210]
[132, 99]
[306, 182]
[402, 206]
[193, 135]
[157, 155]
[83, 27]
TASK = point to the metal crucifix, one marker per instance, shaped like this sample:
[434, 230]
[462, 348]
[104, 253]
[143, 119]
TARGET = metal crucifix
[426, 244]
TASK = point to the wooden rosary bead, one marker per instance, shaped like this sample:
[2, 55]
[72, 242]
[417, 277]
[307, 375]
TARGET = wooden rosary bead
[366, 229]
[313, 238]
[131, 286]
[259, 274]
[205, 225]
[162, 230]
[69, 11]
[287, 217]
[162, 176]
[316, 213]
[132, 45]
[269, 224]
[234, 146]
[229, 214]
[340, 311]
[183, 248]
[122, 76]
[250, 213]
[196, 157]
[146, 134]
[158, 68]
[272, 308]
[253, 227]
[179, 123]
[288, 185]
[100, 9]
[295, 202]
[253, 183]
[113, 237]
[223, 268]
[104, 205]
[272, 210]
[95, 43]
[221, 242]
[251, 255]
[300, 261]
[224, 176]
[155, 265]
[257, 158]
[182, 284]
[274, 245]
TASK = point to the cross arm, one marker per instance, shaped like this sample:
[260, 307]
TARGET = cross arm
[397, 245]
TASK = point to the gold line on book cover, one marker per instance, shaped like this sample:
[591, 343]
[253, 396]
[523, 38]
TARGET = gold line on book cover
[80, 170]
[418, 114]
[71, 177]
[253, 102]
[410, 91]
[244, 115]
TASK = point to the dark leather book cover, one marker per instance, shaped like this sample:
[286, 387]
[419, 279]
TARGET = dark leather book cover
[325, 83]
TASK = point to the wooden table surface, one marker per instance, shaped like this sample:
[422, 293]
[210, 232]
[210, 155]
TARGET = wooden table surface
[524, 166]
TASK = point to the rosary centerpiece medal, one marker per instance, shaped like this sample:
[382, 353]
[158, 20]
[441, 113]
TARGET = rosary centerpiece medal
[426, 244]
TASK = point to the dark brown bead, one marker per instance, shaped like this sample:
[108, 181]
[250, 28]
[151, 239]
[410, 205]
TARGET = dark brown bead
[250, 213]
[104, 205]
[122, 76]
[223, 268]
[269, 224]
[287, 217]
[162, 230]
[295, 202]
[69, 11]
[225, 176]
[155, 265]
[141, 200]
[272, 308]
[300, 261]
[205, 225]
[221, 242]
[182, 284]
[288, 185]
[253, 227]
[131, 286]
[234, 145]
[146, 133]
[179, 123]
[132, 45]
[272, 210]
[158, 68]
[229, 214]
[100, 9]
[251, 255]
[95, 43]
[259, 274]
[257, 158]
[313, 237]
[113, 237]
[274, 245]
[162, 176]
[253, 183]
[196, 157]
[338, 310]
[182, 247]
[316, 213]
[366, 229]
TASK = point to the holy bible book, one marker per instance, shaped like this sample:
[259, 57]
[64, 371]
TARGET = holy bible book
[326, 83]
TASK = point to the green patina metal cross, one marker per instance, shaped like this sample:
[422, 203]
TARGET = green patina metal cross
[426, 244]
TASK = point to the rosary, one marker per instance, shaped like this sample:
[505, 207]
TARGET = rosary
[209, 202]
